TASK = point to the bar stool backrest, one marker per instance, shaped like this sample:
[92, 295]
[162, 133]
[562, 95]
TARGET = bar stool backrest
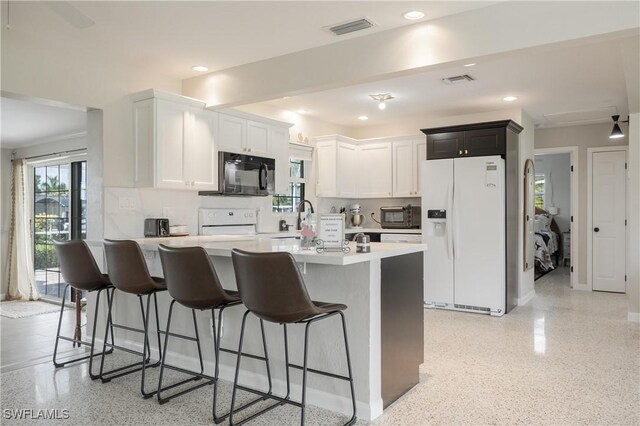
[271, 286]
[77, 265]
[191, 277]
[127, 268]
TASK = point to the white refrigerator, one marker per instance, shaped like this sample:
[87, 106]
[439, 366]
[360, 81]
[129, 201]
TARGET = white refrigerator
[463, 207]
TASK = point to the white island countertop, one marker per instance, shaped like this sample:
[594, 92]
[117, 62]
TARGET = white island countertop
[221, 245]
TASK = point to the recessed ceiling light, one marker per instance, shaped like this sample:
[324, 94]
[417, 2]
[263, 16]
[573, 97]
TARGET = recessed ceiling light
[413, 15]
[470, 65]
[302, 111]
[200, 68]
[363, 118]
[509, 98]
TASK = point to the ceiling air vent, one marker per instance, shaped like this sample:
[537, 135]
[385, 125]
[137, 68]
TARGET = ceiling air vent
[352, 26]
[458, 79]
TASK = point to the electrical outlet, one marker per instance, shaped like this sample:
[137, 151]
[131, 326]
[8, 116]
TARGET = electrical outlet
[127, 203]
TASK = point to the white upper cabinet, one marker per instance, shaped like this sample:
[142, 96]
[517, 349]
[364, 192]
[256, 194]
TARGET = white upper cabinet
[347, 172]
[259, 139]
[279, 141]
[200, 155]
[374, 164]
[407, 161]
[335, 163]
[421, 154]
[232, 133]
[174, 140]
[326, 168]
[378, 168]
[404, 184]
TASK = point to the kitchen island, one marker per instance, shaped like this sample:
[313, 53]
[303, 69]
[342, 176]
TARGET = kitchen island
[382, 289]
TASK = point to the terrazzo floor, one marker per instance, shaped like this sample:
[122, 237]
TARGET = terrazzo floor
[567, 357]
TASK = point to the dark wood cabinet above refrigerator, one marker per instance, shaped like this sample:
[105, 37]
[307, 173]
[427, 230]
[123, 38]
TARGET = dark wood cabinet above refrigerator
[470, 140]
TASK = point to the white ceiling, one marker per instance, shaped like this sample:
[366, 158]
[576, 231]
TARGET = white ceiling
[169, 37]
[27, 123]
[584, 78]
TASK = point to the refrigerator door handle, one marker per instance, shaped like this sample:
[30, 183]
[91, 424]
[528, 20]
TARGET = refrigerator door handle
[449, 222]
[454, 231]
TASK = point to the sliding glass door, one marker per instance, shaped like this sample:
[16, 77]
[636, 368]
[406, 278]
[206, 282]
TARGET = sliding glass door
[59, 213]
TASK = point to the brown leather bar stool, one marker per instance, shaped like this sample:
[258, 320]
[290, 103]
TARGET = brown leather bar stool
[129, 274]
[192, 281]
[272, 288]
[80, 271]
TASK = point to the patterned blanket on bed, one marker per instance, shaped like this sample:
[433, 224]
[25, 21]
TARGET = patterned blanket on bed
[546, 244]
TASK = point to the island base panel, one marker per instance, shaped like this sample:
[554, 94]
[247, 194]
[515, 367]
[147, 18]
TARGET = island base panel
[402, 324]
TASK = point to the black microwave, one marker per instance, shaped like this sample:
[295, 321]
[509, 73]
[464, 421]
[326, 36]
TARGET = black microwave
[241, 174]
[401, 217]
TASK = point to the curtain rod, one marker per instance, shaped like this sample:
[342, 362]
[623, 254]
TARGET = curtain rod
[53, 154]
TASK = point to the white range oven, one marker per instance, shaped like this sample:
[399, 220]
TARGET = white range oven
[227, 221]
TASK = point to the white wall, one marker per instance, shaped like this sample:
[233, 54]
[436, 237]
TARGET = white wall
[557, 171]
[526, 286]
[5, 212]
[585, 136]
[633, 264]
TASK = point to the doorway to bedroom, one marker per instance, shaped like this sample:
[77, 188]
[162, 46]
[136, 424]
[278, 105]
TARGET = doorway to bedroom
[556, 214]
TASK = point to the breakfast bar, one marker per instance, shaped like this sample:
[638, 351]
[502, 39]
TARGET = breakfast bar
[382, 289]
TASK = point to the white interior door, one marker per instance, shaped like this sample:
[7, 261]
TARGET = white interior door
[479, 232]
[608, 221]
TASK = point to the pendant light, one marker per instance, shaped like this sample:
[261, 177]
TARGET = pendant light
[616, 132]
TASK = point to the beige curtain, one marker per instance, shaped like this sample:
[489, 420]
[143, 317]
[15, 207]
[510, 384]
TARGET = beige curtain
[21, 277]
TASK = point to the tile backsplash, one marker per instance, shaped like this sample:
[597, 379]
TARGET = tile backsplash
[368, 206]
[126, 208]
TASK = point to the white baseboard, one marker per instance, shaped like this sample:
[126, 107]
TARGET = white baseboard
[527, 297]
[582, 287]
[634, 317]
[322, 399]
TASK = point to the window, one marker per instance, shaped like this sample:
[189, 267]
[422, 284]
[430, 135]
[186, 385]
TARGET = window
[60, 212]
[539, 190]
[288, 203]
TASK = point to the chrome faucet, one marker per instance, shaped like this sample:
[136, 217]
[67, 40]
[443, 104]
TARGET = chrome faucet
[299, 223]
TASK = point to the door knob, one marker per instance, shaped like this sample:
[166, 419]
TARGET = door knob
[596, 229]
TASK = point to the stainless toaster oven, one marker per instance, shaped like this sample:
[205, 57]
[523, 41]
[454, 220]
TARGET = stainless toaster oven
[401, 217]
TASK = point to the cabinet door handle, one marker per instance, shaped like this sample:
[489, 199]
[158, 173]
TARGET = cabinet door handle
[460, 152]
[466, 151]
[249, 150]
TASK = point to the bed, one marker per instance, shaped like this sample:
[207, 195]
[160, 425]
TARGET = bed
[547, 242]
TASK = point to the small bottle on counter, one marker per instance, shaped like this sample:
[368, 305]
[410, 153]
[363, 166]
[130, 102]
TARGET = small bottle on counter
[363, 243]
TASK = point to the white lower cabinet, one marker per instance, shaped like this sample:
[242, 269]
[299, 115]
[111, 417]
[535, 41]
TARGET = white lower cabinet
[174, 143]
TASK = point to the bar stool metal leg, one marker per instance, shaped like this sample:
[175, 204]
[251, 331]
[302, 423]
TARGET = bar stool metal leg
[127, 369]
[90, 344]
[163, 364]
[217, 335]
[352, 420]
